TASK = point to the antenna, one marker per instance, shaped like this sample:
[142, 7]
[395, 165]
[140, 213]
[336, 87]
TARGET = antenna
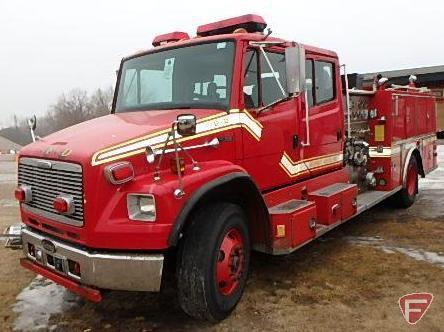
[269, 32]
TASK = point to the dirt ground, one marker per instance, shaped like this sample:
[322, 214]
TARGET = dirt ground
[349, 279]
[12, 277]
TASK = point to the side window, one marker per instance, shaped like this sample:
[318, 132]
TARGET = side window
[320, 81]
[261, 90]
[251, 82]
[324, 81]
[270, 88]
[309, 82]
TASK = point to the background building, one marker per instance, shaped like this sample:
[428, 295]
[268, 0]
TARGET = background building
[8, 147]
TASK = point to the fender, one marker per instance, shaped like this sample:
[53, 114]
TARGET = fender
[415, 152]
[211, 186]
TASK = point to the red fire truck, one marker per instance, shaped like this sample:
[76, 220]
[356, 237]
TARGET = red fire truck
[217, 145]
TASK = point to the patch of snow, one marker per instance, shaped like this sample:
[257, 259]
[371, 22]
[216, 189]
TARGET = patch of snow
[435, 180]
[37, 302]
[417, 254]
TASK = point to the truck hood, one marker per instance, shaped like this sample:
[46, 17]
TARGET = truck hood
[80, 142]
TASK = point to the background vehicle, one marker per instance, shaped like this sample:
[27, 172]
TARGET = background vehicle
[217, 145]
[440, 111]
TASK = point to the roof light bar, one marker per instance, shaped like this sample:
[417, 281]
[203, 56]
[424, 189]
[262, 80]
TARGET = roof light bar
[249, 22]
[170, 37]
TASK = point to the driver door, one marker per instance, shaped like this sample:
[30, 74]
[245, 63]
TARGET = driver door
[279, 138]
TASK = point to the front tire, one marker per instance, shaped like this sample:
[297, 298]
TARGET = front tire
[214, 262]
[407, 195]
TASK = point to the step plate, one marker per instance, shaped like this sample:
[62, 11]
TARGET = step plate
[290, 206]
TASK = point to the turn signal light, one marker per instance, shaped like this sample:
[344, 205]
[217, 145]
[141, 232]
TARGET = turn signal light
[173, 165]
[23, 193]
[19, 194]
[61, 205]
[64, 204]
[119, 173]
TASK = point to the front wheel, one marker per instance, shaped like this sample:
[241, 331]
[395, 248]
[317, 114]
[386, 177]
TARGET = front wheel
[407, 195]
[214, 262]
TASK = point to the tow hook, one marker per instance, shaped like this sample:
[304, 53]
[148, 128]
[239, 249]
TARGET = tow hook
[13, 236]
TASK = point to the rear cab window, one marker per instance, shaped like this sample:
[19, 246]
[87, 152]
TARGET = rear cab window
[320, 81]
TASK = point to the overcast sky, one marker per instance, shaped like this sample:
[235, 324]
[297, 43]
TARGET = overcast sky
[50, 47]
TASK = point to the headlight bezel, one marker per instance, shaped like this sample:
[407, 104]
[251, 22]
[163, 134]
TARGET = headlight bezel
[136, 203]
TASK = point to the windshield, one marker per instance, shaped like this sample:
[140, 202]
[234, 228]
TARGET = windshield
[197, 76]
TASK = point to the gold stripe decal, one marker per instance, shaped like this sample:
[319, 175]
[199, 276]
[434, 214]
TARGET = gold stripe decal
[386, 152]
[299, 168]
[206, 126]
[429, 140]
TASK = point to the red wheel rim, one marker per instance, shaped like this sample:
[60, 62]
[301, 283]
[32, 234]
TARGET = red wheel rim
[412, 178]
[230, 262]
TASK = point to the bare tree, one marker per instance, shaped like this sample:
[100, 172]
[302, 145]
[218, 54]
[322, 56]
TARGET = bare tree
[74, 107]
[100, 102]
[69, 110]
[77, 106]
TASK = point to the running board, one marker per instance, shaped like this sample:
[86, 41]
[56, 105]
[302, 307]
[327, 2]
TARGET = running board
[366, 201]
[369, 199]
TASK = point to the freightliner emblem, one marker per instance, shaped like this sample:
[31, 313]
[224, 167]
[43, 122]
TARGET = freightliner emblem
[44, 164]
[49, 246]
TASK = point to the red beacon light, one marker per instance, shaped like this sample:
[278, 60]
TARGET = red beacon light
[251, 23]
[170, 38]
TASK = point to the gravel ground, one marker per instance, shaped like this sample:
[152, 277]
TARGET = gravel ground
[350, 279]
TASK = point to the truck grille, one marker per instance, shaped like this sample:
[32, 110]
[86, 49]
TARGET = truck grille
[48, 179]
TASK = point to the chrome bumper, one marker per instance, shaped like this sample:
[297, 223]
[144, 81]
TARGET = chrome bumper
[117, 271]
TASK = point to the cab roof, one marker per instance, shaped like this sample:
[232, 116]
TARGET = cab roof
[248, 27]
[233, 36]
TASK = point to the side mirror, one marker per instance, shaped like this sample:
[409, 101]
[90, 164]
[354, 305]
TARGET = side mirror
[32, 122]
[295, 67]
[186, 124]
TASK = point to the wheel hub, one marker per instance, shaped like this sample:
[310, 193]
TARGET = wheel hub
[231, 262]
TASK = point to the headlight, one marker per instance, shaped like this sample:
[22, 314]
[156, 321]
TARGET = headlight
[141, 207]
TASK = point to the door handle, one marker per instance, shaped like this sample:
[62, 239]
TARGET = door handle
[335, 208]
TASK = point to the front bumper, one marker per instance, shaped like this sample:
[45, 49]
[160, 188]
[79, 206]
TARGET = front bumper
[117, 271]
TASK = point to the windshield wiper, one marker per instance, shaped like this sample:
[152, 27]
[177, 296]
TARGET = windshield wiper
[260, 110]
